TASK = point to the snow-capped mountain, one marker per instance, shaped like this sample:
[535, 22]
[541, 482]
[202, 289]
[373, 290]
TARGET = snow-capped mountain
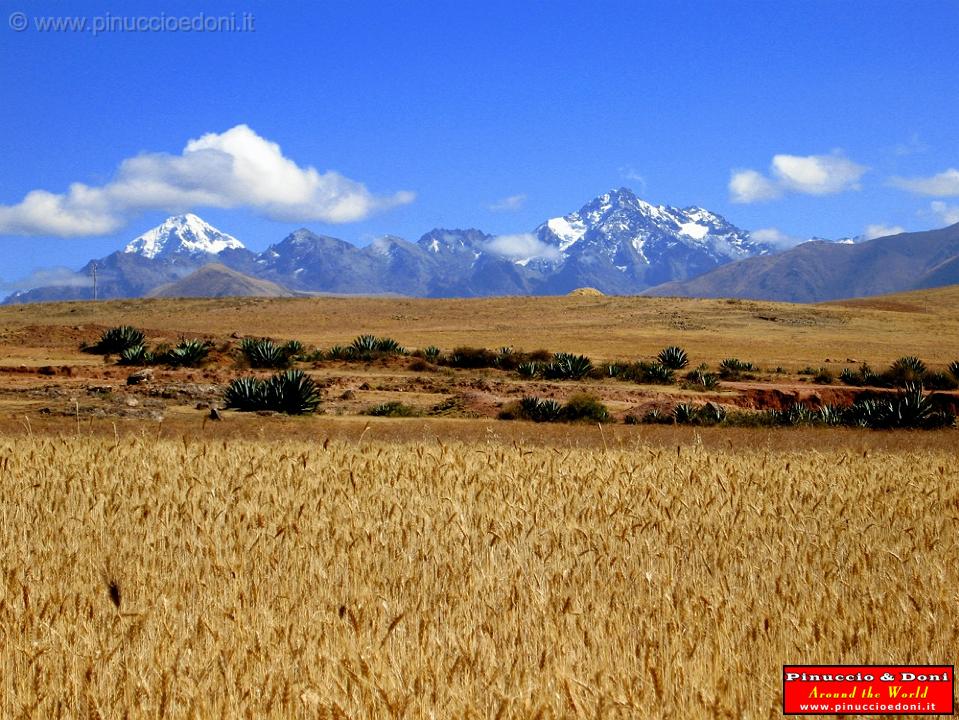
[623, 242]
[617, 243]
[182, 235]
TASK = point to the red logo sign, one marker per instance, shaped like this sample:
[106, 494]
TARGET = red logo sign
[868, 689]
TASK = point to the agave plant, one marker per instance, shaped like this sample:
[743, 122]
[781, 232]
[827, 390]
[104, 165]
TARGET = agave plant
[954, 369]
[703, 379]
[614, 369]
[389, 346]
[795, 414]
[245, 393]
[431, 353]
[364, 345]
[117, 339]
[292, 392]
[685, 414]
[264, 353]
[913, 408]
[850, 377]
[713, 413]
[136, 355]
[657, 416]
[657, 373]
[187, 353]
[907, 370]
[528, 369]
[292, 348]
[829, 415]
[733, 367]
[505, 358]
[539, 410]
[673, 357]
[566, 366]
[869, 413]
[338, 352]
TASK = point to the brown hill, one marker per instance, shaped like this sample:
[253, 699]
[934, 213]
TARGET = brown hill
[215, 280]
[820, 271]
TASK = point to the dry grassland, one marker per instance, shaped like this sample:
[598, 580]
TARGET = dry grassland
[876, 330]
[368, 580]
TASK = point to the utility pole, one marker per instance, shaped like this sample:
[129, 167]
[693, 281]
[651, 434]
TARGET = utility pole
[94, 282]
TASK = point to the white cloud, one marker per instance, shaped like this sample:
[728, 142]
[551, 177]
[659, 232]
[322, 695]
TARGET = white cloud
[630, 173]
[60, 276]
[946, 214]
[876, 231]
[522, 246]
[913, 146]
[945, 184]
[236, 168]
[509, 204]
[748, 186]
[809, 175]
[775, 237]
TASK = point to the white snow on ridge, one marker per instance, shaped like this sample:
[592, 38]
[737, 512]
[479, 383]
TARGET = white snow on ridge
[693, 230]
[567, 232]
[182, 233]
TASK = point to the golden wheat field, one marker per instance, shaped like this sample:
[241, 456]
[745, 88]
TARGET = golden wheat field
[295, 579]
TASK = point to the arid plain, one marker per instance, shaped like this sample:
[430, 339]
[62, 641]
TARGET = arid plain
[157, 563]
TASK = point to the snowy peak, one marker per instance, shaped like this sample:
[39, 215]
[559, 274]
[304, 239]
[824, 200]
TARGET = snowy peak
[618, 218]
[182, 235]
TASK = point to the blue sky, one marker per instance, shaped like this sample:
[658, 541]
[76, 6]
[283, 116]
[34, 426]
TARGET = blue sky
[802, 119]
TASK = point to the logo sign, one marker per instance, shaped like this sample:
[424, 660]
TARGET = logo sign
[868, 689]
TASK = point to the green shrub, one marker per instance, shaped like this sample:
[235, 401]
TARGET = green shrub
[117, 339]
[673, 357]
[584, 406]
[940, 381]
[823, 377]
[420, 365]
[431, 353]
[471, 358]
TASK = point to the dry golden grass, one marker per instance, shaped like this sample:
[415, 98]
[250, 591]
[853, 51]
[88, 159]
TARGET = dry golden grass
[876, 329]
[368, 580]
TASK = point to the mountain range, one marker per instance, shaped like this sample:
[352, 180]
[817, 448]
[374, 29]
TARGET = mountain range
[616, 243]
[818, 271]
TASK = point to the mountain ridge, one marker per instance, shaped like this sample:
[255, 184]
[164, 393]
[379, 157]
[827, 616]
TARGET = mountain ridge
[617, 243]
[819, 271]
